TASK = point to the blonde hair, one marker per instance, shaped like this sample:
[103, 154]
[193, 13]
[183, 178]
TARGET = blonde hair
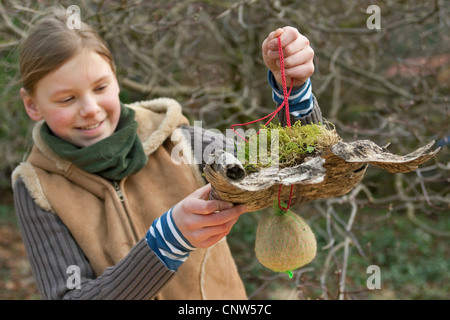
[50, 43]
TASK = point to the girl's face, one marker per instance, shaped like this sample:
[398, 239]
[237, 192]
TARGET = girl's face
[79, 101]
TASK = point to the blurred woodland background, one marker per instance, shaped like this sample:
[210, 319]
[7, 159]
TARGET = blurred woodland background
[390, 86]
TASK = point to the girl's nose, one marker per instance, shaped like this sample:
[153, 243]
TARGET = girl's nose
[89, 108]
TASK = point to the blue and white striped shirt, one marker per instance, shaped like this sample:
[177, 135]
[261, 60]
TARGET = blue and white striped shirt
[300, 100]
[167, 241]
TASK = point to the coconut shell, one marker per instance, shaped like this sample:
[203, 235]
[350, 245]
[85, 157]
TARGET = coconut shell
[284, 242]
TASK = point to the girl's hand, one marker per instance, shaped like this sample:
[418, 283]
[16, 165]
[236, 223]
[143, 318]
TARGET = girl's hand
[298, 55]
[204, 222]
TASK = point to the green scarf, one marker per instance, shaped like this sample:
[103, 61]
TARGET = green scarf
[113, 158]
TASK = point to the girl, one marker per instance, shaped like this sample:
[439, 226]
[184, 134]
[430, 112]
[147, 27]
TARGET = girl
[103, 210]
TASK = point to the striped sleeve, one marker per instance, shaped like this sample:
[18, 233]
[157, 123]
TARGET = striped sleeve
[303, 105]
[300, 99]
[53, 253]
[168, 242]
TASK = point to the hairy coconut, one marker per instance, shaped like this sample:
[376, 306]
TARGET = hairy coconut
[284, 242]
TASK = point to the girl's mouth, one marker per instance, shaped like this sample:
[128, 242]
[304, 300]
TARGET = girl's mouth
[91, 127]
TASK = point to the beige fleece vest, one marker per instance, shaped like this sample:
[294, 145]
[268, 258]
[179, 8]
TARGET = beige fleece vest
[106, 228]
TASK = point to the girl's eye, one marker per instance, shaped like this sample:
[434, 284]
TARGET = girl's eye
[66, 100]
[100, 88]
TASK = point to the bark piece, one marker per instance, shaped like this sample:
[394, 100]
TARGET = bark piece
[334, 172]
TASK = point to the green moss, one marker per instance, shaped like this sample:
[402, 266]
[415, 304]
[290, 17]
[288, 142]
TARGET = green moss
[292, 144]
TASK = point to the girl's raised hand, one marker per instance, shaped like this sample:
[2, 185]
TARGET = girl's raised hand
[298, 55]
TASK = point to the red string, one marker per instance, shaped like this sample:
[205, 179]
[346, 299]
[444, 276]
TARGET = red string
[286, 95]
[283, 82]
[288, 117]
[272, 115]
[279, 199]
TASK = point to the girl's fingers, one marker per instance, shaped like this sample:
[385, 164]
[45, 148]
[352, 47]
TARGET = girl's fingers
[204, 222]
[199, 221]
[287, 36]
[207, 236]
[303, 71]
[293, 59]
[204, 207]
[301, 57]
[289, 48]
[297, 52]
[198, 202]
[223, 217]
[202, 231]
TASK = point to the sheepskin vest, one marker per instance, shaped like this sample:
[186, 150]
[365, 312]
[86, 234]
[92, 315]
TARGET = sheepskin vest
[107, 220]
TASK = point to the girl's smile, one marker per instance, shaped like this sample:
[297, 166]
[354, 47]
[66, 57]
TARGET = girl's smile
[90, 128]
[79, 100]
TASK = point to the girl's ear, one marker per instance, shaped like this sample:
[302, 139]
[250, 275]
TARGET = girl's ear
[30, 106]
